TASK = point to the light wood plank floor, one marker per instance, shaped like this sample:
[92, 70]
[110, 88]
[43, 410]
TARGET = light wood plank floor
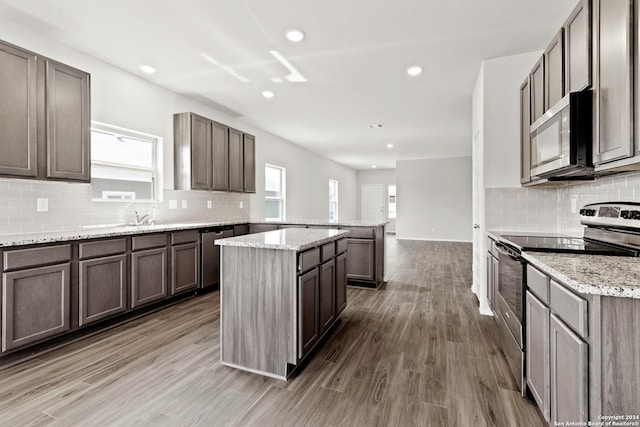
[415, 353]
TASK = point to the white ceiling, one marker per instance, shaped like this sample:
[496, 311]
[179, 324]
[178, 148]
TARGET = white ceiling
[355, 58]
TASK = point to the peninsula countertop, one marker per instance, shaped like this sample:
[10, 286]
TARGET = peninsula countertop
[291, 239]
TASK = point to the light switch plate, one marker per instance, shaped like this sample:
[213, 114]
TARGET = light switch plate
[209, 204]
[241, 205]
[184, 204]
[43, 204]
[173, 204]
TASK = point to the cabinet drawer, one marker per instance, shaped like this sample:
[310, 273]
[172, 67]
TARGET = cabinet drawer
[328, 251]
[341, 246]
[239, 230]
[23, 258]
[538, 283]
[285, 226]
[309, 259]
[148, 242]
[102, 248]
[189, 236]
[360, 232]
[570, 307]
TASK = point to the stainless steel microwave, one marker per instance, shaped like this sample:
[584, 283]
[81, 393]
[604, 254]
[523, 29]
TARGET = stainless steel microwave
[561, 140]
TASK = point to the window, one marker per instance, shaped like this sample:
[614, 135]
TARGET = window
[333, 200]
[124, 164]
[274, 192]
[391, 208]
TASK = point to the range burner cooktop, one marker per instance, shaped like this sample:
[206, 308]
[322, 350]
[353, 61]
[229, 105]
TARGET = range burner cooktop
[564, 244]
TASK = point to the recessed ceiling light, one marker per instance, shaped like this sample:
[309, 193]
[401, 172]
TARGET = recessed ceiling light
[373, 166]
[268, 94]
[389, 145]
[414, 71]
[294, 35]
[376, 126]
[148, 69]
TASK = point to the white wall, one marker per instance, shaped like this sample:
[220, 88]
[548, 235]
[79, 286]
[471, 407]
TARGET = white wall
[126, 100]
[434, 199]
[377, 176]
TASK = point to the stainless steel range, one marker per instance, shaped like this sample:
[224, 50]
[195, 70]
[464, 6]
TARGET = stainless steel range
[612, 228]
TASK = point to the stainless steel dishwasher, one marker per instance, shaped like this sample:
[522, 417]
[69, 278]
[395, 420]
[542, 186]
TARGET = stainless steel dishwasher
[210, 256]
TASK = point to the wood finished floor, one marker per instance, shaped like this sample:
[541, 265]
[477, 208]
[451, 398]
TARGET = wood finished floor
[415, 353]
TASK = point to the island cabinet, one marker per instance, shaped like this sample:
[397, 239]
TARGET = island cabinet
[365, 262]
[36, 289]
[44, 117]
[102, 290]
[281, 292]
[581, 351]
[149, 256]
[185, 261]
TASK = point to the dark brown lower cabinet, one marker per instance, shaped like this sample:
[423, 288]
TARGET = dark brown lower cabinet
[361, 259]
[341, 283]
[35, 304]
[184, 267]
[308, 312]
[327, 294]
[148, 276]
[103, 288]
[569, 374]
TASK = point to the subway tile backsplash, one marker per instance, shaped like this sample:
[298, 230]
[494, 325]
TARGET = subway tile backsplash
[554, 210]
[70, 207]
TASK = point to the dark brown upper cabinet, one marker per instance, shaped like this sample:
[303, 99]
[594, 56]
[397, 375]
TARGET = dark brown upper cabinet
[249, 163]
[45, 117]
[577, 46]
[554, 71]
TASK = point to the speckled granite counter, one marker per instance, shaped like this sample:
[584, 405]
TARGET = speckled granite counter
[105, 231]
[591, 274]
[292, 239]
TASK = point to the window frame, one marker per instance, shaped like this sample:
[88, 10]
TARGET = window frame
[155, 170]
[283, 187]
[336, 199]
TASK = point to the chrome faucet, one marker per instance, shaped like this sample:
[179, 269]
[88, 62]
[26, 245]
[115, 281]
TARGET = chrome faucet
[145, 219]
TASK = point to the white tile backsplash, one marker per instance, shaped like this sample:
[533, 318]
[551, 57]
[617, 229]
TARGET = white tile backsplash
[70, 207]
[551, 210]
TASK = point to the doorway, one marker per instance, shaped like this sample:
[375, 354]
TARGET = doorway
[373, 202]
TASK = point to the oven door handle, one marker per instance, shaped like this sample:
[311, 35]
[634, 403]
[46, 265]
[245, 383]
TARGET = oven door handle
[504, 251]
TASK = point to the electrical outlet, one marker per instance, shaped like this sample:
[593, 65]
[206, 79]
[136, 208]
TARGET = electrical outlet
[173, 204]
[433, 229]
[184, 204]
[42, 204]
[241, 205]
[209, 204]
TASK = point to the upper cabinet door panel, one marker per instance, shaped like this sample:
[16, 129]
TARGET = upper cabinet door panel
[537, 90]
[18, 112]
[236, 172]
[68, 122]
[613, 115]
[220, 157]
[249, 164]
[577, 35]
[554, 71]
[201, 141]
[525, 135]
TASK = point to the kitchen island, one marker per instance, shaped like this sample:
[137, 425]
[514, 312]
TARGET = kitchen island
[280, 292]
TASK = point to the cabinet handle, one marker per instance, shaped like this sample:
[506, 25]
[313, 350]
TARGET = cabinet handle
[506, 314]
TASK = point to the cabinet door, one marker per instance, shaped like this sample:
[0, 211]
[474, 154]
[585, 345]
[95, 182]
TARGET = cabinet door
[495, 270]
[35, 304]
[327, 294]
[577, 36]
[220, 157]
[201, 146]
[249, 163]
[103, 287]
[308, 316]
[525, 134]
[613, 80]
[184, 267]
[68, 123]
[569, 374]
[490, 283]
[360, 259]
[554, 71]
[537, 345]
[18, 111]
[341, 283]
[236, 171]
[148, 276]
[537, 90]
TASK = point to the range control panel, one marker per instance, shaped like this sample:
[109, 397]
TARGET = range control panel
[621, 214]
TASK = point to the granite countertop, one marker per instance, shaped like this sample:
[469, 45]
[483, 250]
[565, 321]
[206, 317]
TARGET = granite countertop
[291, 239]
[115, 230]
[616, 276]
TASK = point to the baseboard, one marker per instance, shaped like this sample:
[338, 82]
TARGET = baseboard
[486, 312]
[423, 239]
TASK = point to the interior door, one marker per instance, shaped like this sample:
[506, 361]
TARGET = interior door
[479, 286]
[372, 202]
